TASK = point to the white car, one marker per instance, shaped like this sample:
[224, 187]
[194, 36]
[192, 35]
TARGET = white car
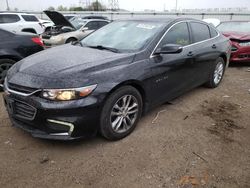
[67, 31]
[214, 21]
[20, 22]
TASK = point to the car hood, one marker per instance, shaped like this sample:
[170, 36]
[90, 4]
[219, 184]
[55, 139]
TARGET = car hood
[58, 19]
[237, 36]
[65, 66]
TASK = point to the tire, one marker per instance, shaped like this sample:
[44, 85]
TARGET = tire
[70, 40]
[216, 74]
[115, 124]
[5, 65]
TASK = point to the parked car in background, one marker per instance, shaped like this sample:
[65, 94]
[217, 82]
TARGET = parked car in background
[95, 17]
[20, 22]
[105, 82]
[214, 21]
[14, 47]
[66, 31]
[69, 16]
[46, 24]
[239, 34]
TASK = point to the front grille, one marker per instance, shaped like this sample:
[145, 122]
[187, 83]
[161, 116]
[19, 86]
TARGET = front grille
[46, 36]
[22, 89]
[24, 110]
[244, 56]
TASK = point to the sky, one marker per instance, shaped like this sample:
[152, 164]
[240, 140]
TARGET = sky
[136, 5]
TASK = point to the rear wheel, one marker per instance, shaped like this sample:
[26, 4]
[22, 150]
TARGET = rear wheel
[217, 73]
[121, 112]
[5, 65]
[70, 40]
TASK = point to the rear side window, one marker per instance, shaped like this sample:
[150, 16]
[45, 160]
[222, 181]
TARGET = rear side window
[178, 34]
[9, 18]
[30, 18]
[92, 25]
[101, 24]
[213, 32]
[200, 32]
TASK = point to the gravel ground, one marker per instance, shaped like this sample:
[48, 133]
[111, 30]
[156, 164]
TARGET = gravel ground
[201, 139]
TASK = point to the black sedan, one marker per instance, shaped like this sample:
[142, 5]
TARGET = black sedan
[108, 80]
[14, 47]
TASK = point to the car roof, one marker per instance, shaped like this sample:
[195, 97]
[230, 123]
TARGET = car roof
[163, 20]
[17, 13]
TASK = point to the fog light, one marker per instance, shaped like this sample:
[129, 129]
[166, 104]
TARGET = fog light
[70, 125]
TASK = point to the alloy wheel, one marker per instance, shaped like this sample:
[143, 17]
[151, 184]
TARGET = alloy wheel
[218, 73]
[124, 113]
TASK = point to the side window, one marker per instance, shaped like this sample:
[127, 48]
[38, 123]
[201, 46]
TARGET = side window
[200, 32]
[213, 32]
[30, 18]
[101, 24]
[178, 34]
[9, 18]
[92, 25]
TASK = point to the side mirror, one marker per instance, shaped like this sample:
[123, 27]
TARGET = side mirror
[169, 49]
[85, 29]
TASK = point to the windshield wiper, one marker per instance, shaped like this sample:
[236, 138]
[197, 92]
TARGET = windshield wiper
[100, 47]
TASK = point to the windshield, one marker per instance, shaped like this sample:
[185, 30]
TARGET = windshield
[77, 22]
[242, 27]
[125, 36]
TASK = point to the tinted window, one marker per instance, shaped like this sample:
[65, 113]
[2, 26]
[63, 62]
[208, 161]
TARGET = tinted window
[92, 25]
[101, 24]
[200, 32]
[213, 32]
[178, 34]
[9, 18]
[29, 18]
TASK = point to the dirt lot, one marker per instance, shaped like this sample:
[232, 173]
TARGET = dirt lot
[201, 139]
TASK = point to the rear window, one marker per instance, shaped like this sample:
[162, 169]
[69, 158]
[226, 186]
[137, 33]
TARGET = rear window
[9, 18]
[200, 32]
[30, 18]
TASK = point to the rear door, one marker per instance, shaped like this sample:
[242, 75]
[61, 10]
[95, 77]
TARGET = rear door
[203, 50]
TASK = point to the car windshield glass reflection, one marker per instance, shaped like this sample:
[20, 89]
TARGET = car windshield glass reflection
[125, 36]
[242, 27]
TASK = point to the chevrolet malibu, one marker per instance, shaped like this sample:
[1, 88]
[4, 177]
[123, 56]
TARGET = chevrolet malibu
[108, 80]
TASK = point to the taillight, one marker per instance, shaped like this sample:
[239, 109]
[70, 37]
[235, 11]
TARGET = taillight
[38, 41]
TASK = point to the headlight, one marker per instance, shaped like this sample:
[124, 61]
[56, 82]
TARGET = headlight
[244, 43]
[67, 94]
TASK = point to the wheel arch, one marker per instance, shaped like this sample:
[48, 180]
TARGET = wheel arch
[30, 30]
[134, 83]
[11, 57]
[224, 57]
[66, 41]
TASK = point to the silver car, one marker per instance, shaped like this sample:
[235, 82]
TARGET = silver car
[66, 31]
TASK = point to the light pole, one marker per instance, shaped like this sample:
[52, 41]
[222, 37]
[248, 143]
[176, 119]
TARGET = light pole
[176, 5]
[7, 3]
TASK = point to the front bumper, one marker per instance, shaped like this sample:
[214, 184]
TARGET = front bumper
[46, 119]
[241, 54]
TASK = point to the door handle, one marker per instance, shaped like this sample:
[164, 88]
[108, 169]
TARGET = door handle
[190, 54]
[214, 46]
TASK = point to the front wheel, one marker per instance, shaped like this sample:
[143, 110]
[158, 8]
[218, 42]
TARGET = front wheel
[121, 112]
[217, 73]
